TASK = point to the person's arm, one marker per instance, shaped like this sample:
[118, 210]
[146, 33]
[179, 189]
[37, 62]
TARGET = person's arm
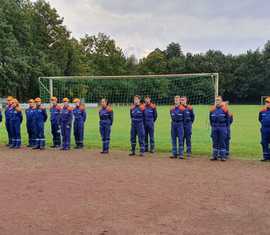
[231, 118]
[20, 116]
[45, 116]
[111, 117]
[155, 113]
[210, 119]
[84, 115]
[70, 117]
[130, 113]
[192, 115]
[260, 117]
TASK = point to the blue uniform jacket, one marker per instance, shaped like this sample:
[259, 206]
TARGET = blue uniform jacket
[55, 111]
[30, 115]
[177, 114]
[79, 114]
[137, 113]
[106, 116]
[219, 117]
[66, 115]
[150, 113]
[16, 116]
[189, 115]
[264, 118]
[41, 114]
[8, 112]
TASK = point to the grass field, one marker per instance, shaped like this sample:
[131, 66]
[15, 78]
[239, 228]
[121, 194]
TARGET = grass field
[245, 131]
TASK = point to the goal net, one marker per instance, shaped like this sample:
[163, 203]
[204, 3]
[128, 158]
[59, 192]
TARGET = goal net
[199, 88]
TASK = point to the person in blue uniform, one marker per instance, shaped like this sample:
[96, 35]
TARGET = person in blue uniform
[264, 119]
[219, 121]
[30, 113]
[177, 128]
[79, 114]
[16, 120]
[189, 118]
[8, 112]
[149, 124]
[41, 118]
[137, 115]
[105, 124]
[55, 111]
[66, 118]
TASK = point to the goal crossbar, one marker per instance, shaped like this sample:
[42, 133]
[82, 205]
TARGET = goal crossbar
[188, 75]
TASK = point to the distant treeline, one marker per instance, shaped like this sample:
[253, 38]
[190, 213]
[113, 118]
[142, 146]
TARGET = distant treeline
[34, 42]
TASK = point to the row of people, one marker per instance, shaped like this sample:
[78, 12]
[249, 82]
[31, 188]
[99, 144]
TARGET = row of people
[143, 117]
[61, 118]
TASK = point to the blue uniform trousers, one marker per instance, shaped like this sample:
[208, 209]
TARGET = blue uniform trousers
[137, 129]
[177, 133]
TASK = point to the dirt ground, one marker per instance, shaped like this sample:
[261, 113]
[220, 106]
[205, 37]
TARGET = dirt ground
[82, 192]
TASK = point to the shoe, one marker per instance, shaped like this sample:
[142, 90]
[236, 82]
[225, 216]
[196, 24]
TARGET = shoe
[265, 160]
[42, 148]
[181, 157]
[7, 145]
[132, 154]
[188, 156]
[174, 156]
[152, 151]
[213, 159]
[104, 152]
[223, 159]
[12, 147]
[36, 147]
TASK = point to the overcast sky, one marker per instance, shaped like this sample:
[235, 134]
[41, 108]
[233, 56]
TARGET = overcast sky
[139, 26]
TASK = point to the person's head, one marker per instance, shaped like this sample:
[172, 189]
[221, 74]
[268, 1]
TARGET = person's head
[218, 101]
[267, 102]
[104, 102]
[38, 101]
[65, 102]
[77, 102]
[31, 103]
[147, 99]
[137, 99]
[9, 100]
[15, 103]
[183, 100]
[54, 100]
[177, 100]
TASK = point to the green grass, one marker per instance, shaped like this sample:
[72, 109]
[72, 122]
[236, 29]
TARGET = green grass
[245, 131]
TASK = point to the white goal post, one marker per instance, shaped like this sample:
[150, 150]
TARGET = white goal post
[263, 99]
[74, 86]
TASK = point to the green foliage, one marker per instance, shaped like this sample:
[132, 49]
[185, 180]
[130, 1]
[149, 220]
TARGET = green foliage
[34, 42]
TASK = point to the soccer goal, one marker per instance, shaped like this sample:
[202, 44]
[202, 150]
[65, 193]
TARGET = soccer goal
[200, 88]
